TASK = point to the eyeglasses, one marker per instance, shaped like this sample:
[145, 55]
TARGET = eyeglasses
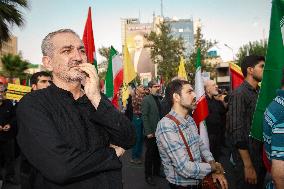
[156, 86]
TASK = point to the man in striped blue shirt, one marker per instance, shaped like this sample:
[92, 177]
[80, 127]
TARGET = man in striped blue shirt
[180, 170]
[273, 136]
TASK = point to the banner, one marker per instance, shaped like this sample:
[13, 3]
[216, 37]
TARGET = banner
[16, 92]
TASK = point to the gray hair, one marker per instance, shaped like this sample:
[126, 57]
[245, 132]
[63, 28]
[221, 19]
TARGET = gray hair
[47, 47]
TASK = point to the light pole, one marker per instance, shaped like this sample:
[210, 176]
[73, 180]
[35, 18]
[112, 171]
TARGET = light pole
[231, 50]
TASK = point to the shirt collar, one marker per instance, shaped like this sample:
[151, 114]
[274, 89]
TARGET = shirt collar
[179, 117]
[67, 94]
[248, 86]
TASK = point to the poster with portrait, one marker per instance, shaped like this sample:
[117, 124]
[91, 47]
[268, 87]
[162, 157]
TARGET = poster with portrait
[140, 55]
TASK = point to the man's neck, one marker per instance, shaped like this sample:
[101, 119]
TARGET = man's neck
[209, 95]
[180, 110]
[73, 87]
[154, 94]
[252, 82]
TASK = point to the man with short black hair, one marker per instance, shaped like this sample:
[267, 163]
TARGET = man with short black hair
[185, 158]
[40, 80]
[247, 152]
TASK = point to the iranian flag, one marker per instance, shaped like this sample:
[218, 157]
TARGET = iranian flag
[88, 40]
[201, 111]
[274, 64]
[114, 76]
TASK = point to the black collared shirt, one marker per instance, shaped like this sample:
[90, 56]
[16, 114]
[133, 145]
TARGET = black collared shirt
[241, 107]
[67, 141]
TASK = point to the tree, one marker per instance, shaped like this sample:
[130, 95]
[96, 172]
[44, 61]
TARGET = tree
[252, 48]
[165, 51]
[104, 52]
[14, 66]
[10, 15]
[204, 46]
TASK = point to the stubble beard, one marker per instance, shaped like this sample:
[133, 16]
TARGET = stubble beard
[256, 78]
[71, 76]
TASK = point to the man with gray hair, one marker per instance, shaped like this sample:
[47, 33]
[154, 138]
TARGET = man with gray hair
[72, 136]
[216, 119]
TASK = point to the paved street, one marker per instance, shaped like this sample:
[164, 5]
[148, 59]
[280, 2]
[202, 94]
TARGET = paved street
[133, 176]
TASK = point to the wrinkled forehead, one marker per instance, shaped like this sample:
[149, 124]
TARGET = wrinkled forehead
[66, 39]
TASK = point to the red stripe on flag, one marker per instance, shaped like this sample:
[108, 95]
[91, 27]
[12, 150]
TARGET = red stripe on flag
[88, 38]
[117, 83]
[201, 111]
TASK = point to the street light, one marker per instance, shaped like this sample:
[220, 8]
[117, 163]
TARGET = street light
[231, 50]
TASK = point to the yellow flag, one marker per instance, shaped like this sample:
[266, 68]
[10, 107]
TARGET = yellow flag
[128, 74]
[181, 69]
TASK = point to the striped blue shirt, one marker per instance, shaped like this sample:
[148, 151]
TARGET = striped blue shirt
[273, 128]
[178, 167]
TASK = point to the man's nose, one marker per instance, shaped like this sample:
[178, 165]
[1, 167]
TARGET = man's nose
[78, 55]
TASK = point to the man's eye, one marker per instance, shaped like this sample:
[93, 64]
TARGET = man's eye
[83, 51]
[67, 51]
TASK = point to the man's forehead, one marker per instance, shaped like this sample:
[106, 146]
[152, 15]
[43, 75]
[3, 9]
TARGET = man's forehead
[66, 39]
[44, 77]
[187, 87]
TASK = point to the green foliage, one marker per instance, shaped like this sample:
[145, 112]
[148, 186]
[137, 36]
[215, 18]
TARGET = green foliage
[204, 46]
[252, 48]
[165, 51]
[104, 52]
[10, 15]
[14, 66]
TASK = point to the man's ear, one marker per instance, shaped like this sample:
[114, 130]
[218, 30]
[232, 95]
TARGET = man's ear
[249, 70]
[46, 61]
[176, 97]
[34, 87]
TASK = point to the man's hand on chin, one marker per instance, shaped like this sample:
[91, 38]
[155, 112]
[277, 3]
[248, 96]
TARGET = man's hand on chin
[92, 87]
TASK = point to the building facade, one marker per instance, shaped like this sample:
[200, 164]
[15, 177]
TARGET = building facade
[183, 28]
[9, 47]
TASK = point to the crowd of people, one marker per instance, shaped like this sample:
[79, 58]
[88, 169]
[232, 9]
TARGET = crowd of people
[68, 134]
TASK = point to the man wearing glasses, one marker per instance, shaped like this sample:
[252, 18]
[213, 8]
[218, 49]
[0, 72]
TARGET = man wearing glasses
[151, 115]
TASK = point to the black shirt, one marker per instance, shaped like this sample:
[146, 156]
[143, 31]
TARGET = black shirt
[216, 119]
[7, 116]
[158, 103]
[241, 107]
[67, 141]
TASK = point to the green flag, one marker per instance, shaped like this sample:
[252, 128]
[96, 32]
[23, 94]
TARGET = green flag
[274, 64]
[109, 74]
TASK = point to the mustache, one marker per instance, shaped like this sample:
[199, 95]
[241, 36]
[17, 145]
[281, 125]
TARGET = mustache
[74, 63]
